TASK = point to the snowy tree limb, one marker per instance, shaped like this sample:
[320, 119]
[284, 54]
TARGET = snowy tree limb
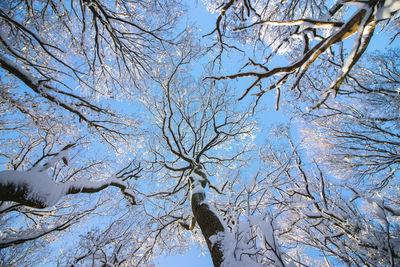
[36, 189]
[29, 236]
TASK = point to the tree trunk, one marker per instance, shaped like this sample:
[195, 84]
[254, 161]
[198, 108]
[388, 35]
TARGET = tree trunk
[208, 221]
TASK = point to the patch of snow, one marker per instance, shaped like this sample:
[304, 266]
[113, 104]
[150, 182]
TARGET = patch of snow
[231, 248]
[196, 184]
[389, 7]
[376, 206]
[256, 219]
[40, 187]
[197, 189]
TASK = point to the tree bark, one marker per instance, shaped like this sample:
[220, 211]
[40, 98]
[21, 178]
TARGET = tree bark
[208, 221]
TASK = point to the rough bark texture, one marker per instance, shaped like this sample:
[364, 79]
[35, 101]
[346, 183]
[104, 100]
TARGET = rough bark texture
[208, 221]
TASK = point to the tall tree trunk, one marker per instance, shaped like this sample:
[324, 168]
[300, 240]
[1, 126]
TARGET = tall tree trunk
[208, 221]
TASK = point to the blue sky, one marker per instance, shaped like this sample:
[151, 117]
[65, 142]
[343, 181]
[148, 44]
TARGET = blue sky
[192, 258]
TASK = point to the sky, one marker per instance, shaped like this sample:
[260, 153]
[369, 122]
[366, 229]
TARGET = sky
[192, 258]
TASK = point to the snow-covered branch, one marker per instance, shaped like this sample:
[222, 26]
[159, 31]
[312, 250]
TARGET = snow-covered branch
[44, 89]
[286, 30]
[8, 240]
[37, 189]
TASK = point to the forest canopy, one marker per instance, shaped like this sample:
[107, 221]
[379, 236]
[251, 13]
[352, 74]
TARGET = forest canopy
[134, 129]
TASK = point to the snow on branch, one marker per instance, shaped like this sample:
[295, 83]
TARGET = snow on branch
[9, 240]
[44, 89]
[300, 22]
[35, 188]
[362, 23]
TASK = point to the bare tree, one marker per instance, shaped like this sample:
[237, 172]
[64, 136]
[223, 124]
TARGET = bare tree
[194, 120]
[308, 212]
[195, 133]
[66, 69]
[71, 55]
[101, 119]
[300, 34]
[358, 131]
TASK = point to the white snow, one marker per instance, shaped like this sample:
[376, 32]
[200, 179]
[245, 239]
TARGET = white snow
[42, 189]
[389, 7]
[32, 79]
[39, 185]
[232, 255]
[256, 219]
[196, 183]
[376, 206]
[197, 189]
[51, 162]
